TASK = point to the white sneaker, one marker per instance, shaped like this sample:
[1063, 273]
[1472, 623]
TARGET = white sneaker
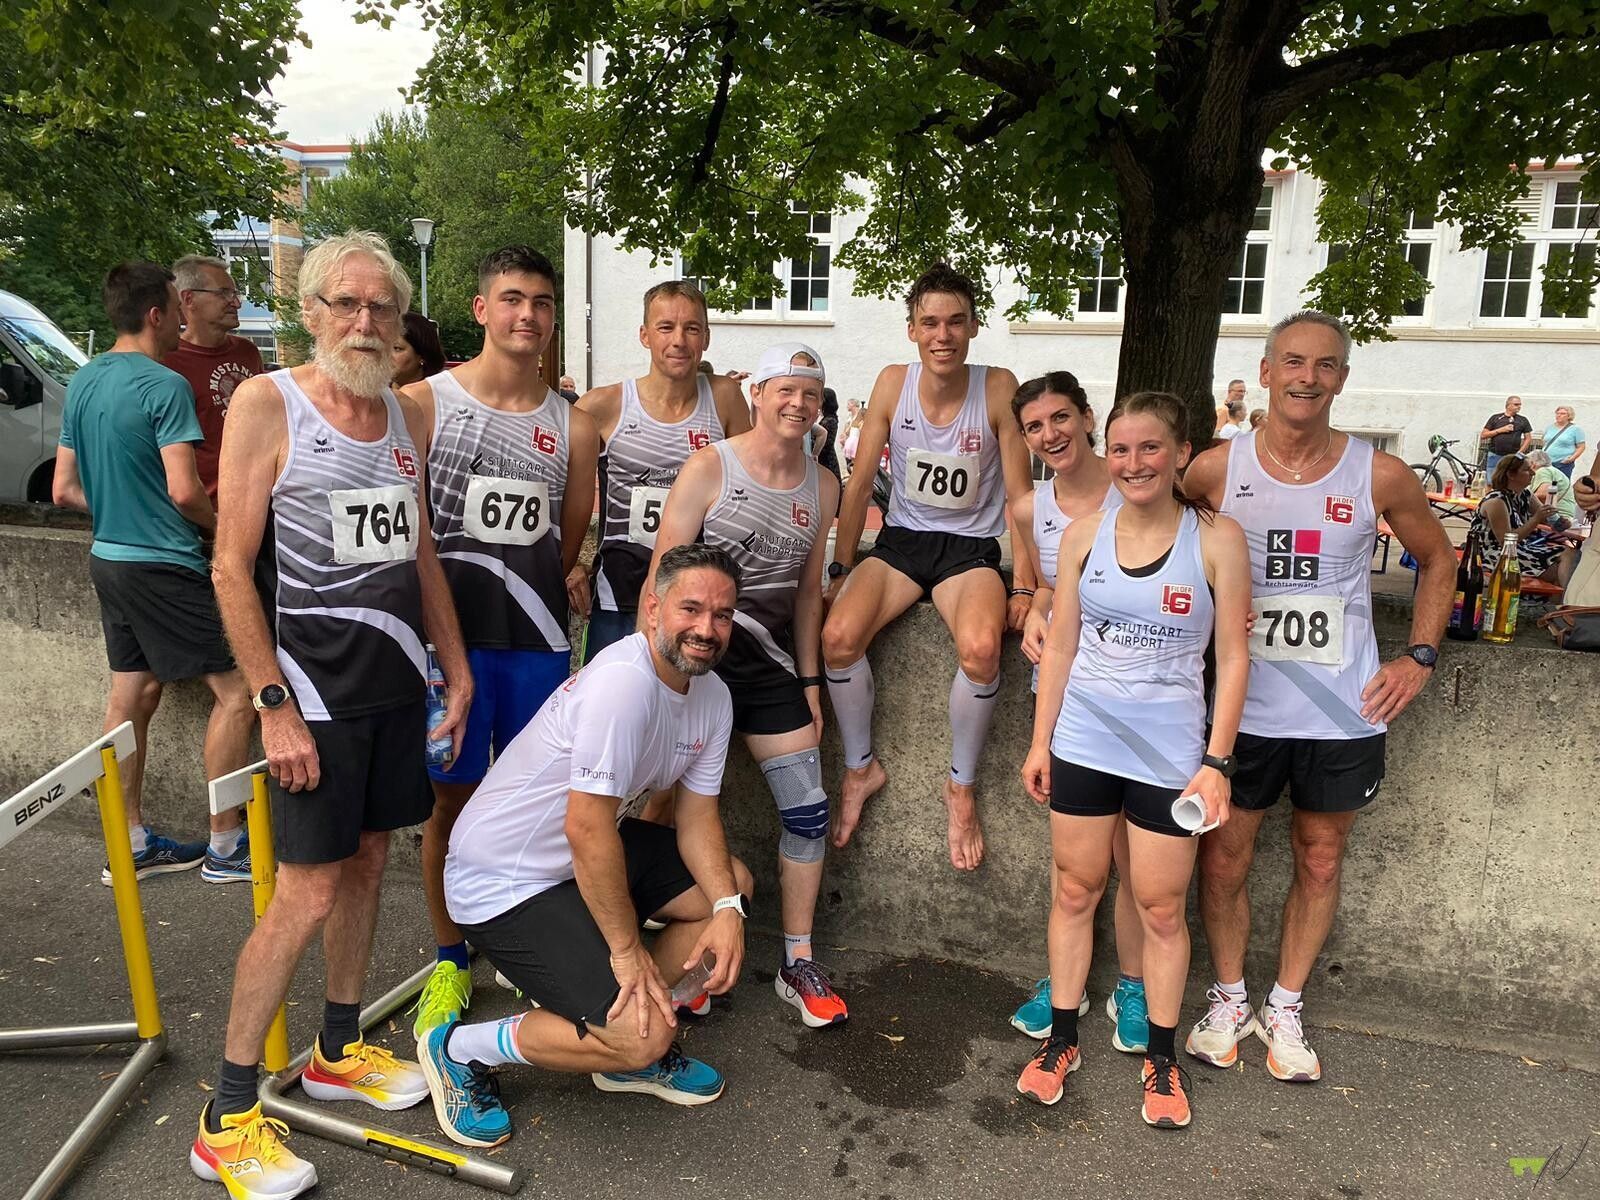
[1289, 1058]
[1215, 1037]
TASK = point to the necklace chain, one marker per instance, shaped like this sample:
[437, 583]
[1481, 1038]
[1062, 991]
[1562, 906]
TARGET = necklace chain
[1293, 471]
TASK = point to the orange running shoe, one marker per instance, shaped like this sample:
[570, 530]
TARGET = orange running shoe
[1166, 1093]
[249, 1158]
[367, 1073]
[1044, 1078]
[805, 985]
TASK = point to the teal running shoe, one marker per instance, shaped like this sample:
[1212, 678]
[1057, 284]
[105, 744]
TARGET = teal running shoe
[1130, 1017]
[677, 1079]
[466, 1097]
[1033, 1014]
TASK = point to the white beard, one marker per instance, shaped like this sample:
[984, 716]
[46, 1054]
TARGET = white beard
[356, 373]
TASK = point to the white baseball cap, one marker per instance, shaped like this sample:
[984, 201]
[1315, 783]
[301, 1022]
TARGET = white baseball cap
[777, 361]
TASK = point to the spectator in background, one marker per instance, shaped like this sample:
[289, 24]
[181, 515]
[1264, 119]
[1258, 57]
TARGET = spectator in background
[1563, 441]
[828, 439]
[850, 436]
[1551, 486]
[568, 390]
[1258, 418]
[1235, 395]
[418, 352]
[1235, 424]
[208, 354]
[127, 458]
[1507, 432]
[1511, 508]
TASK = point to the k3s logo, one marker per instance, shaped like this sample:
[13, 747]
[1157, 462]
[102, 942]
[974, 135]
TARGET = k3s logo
[543, 440]
[699, 439]
[405, 462]
[1339, 510]
[1177, 599]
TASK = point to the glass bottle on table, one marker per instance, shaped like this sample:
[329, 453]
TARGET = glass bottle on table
[1466, 614]
[1504, 595]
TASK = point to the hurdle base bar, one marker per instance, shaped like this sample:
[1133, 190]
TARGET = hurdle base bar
[145, 1059]
[48, 1037]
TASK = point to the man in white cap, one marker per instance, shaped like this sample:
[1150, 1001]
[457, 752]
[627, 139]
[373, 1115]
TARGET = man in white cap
[760, 497]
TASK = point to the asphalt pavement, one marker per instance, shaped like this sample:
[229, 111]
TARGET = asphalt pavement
[915, 1097]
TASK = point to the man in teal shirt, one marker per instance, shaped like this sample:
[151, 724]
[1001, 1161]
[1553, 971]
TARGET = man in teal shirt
[127, 458]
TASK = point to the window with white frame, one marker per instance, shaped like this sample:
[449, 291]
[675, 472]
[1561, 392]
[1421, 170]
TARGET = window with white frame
[1422, 238]
[250, 264]
[1101, 293]
[807, 278]
[1512, 291]
[1245, 292]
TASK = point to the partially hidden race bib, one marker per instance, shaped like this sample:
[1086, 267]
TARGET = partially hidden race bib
[374, 524]
[942, 480]
[506, 512]
[1298, 629]
[644, 514]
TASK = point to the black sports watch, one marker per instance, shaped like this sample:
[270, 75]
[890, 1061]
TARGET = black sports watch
[837, 570]
[274, 695]
[1423, 655]
[1224, 766]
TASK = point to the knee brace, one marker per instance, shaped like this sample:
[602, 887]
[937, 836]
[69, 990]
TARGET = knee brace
[796, 783]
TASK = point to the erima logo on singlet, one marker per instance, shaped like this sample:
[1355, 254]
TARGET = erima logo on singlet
[907, 423]
[321, 444]
[1243, 493]
[1098, 577]
[462, 413]
[738, 494]
[1292, 554]
[1050, 525]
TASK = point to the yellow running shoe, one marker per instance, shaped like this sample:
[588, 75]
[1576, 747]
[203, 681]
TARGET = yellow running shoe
[445, 996]
[368, 1073]
[249, 1158]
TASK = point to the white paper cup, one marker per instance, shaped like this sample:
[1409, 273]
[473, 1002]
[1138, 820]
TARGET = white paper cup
[1190, 814]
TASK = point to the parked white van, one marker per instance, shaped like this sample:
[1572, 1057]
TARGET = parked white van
[37, 361]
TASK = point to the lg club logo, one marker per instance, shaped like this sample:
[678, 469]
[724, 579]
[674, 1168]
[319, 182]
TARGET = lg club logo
[1339, 510]
[405, 462]
[699, 439]
[1177, 599]
[1292, 553]
[801, 516]
[543, 440]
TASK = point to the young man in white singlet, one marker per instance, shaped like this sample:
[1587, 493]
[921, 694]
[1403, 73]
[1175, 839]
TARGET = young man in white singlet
[511, 477]
[956, 457]
[761, 498]
[1309, 499]
[649, 427]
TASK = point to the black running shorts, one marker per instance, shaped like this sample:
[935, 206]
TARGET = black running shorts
[160, 618]
[928, 559]
[1077, 791]
[1323, 774]
[549, 945]
[374, 779]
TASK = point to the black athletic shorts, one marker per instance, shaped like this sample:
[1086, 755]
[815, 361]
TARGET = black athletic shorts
[928, 559]
[374, 779]
[770, 702]
[1078, 791]
[159, 617]
[1323, 774]
[549, 945]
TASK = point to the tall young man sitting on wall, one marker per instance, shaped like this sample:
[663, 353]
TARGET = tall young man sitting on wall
[955, 457]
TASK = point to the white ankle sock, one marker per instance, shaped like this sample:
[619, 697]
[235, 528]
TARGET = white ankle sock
[971, 710]
[1233, 991]
[492, 1043]
[1281, 997]
[851, 691]
[791, 943]
[138, 837]
[225, 841]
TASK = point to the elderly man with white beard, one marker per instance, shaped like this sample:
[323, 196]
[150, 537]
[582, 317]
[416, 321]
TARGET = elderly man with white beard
[323, 472]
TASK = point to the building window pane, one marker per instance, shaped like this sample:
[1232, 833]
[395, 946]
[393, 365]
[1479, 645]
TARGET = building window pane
[1263, 218]
[808, 281]
[1103, 293]
[1573, 210]
[1245, 292]
[1507, 278]
[1560, 257]
[1420, 256]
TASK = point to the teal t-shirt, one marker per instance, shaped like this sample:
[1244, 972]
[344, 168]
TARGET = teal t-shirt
[1560, 444]
[121, 410]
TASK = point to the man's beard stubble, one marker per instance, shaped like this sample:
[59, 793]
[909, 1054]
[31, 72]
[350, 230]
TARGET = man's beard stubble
[671, 650]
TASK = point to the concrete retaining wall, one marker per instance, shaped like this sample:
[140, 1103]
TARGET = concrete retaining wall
[1471, 907]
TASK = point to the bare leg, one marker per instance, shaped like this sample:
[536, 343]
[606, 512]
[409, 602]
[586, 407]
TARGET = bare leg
[973, 606]
[134, 697]
[1082, 847]
[228, 731]
[1319, 841]
[1225, 857]
[1125, 914]
[448, 801]
[347, 936]
[1161, 869]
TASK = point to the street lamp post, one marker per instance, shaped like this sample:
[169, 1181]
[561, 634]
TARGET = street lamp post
[422, 231]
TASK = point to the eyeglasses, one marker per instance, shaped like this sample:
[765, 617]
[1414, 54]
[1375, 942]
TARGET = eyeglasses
[225, 293]
[346, 308]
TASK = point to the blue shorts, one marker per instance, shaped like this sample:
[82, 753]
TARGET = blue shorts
[510, 685]
[607, 627]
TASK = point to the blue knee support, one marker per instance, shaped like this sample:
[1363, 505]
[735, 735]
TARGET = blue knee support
[796, 783]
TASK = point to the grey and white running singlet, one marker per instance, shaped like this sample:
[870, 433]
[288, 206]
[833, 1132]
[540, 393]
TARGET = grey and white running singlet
[1050, 525]
[946, 478]
[769, 532]
[495, 483]
[643, 458]
[1135, 704]
[345, 523]
[1313, 648]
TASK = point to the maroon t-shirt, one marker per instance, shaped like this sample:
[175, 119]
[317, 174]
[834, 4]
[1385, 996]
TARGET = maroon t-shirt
[213, 374]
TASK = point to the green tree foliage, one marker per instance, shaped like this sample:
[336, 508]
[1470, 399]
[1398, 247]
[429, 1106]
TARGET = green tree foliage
[1015, 137]
[121, 126]
[451, 165]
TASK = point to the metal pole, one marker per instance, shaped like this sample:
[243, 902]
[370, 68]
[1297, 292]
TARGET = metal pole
[125, 891]
[46, 1037]
[424, 250]
[263, 879]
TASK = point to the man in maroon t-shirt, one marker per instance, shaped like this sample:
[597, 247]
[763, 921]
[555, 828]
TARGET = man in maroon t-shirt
[209, 356]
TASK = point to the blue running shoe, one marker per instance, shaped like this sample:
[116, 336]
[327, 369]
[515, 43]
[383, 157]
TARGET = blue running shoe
[1131, 1017]
[161, 856]
[677, 1079]
[233, 868]
[466, 1098]
[1033, 1014]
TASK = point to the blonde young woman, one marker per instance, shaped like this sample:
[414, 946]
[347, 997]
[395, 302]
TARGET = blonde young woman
[1058, 426]
[1120, 726]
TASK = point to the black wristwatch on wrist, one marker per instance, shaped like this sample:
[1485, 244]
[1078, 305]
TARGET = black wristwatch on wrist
[1423, 655]
[273, 696]
[837, 570]
[1225, 766]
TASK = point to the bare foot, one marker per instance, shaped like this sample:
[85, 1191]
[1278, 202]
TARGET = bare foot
[860, 785]
[966, 835]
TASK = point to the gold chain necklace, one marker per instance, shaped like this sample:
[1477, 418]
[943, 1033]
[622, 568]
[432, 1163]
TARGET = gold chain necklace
[1286, 467]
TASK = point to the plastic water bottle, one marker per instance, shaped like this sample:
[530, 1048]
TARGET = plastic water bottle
[441, 749]
[687, 990]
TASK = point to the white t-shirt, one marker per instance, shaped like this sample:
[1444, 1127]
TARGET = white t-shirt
[1227, 432]
[613, 729]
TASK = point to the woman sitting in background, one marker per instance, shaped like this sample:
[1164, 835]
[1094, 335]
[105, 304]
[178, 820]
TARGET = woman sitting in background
[1510, 507]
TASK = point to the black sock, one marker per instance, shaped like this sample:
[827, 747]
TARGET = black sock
[1064, 1024]
[341, 1025]
[236, 1093]
[1162, 1041]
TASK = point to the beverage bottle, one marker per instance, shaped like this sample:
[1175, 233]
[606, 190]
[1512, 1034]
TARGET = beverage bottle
[1505, 593]
[1466, 614]
[688, 989]
[440, 750]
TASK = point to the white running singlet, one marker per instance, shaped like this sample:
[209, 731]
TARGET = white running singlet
[1050, 525]
[613, 729]
[946, 478]
[1313, 649]
[1135, 703]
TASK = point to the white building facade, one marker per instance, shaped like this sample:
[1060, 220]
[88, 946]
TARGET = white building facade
[1482, 333]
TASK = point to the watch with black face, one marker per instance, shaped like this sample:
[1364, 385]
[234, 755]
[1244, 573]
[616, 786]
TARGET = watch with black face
[1224, 766]
[837, 570]
[274, 695]
[1423, 655]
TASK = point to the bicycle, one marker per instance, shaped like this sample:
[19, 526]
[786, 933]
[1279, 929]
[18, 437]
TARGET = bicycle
[1432, 480]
